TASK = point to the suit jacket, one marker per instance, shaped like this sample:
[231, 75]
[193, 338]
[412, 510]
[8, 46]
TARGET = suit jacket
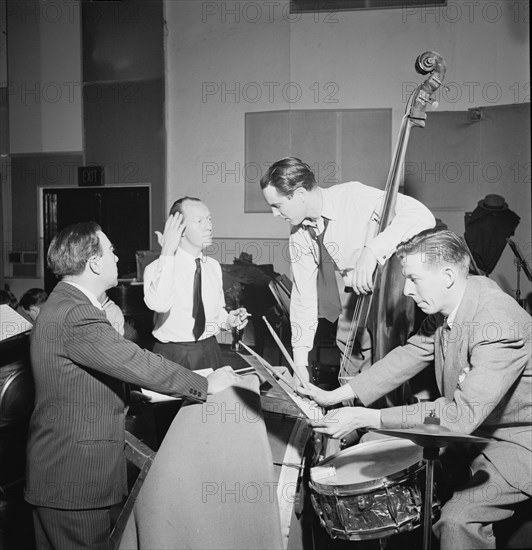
[75, 453]
[484, 377]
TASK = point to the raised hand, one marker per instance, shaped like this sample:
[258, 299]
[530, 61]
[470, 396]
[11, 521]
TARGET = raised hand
[171, 237]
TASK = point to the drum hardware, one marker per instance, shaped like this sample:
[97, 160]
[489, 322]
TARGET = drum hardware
[351, 438]
[520, 264]
[289, 464]
[431, 436]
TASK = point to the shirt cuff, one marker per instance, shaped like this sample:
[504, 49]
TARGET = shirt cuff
[381, 255]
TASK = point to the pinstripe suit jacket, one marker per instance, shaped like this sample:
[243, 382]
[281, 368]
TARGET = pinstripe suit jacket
[75, 453]
[484, 378]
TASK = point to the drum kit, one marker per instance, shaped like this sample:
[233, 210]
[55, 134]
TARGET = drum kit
[374, 489]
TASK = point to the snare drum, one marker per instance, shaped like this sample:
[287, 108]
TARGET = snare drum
[372, 490]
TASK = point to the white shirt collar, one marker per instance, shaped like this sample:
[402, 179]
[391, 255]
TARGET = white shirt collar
[327, 208]
[94, 301]
[200, 255]
[452, 315]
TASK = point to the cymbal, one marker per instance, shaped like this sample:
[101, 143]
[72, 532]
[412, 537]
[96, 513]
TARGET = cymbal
[432, 435]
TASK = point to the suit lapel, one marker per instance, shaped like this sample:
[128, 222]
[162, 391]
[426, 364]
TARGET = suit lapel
[438, 355]
[456, 357]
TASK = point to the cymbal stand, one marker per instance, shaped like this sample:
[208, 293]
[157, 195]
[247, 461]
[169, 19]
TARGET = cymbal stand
[520, 264]
[430, 454]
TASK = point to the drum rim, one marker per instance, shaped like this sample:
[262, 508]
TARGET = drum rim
[378, 532]
[364, 487]
[372, 443]
[370, 485]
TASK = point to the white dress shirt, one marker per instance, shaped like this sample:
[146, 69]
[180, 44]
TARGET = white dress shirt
[114, 315]
[168, 290]
[349, 207]
[94, 301]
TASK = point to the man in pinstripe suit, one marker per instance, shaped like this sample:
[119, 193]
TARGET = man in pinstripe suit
[76, 471]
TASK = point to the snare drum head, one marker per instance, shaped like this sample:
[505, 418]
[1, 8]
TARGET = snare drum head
[367, 463]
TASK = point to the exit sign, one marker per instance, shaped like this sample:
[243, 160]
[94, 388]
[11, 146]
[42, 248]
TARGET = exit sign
[90, 175]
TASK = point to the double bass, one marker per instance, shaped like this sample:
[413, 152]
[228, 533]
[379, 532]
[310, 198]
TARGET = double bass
[381, 311]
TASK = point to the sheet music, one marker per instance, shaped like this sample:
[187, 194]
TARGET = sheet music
[309, 408]
[12, 323]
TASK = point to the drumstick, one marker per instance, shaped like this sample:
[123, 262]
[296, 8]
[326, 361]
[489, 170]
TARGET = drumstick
[267, 366]
[284, 351]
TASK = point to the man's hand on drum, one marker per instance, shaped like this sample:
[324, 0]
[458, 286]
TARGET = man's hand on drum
[340, 422]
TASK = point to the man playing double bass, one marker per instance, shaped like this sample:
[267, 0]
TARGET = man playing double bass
[328, 247]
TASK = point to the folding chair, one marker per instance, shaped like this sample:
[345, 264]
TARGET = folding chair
[141, 456]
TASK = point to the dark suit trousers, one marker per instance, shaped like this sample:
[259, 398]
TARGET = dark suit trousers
[203, 354]
[467, 519]
[57, 529]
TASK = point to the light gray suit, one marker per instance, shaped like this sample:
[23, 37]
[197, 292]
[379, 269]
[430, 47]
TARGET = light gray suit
[484, 377]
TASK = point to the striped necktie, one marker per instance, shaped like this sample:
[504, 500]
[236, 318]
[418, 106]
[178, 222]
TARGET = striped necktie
[329, 306]
[198, 311]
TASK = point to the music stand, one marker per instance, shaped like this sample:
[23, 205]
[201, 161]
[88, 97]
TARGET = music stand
[520, 263]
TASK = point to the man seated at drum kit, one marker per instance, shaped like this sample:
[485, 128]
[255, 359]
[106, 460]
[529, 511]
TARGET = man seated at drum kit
[478, 338]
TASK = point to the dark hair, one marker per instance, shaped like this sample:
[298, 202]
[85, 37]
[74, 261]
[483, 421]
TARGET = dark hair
[287, 175]
[33, 297]
[437, 246]
[178, 204]
[72, 247]
[7, 297]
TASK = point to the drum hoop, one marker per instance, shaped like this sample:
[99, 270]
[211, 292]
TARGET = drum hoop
[376, 532]
[367, 486]
[367, 444]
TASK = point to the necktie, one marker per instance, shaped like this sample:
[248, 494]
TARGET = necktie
[329, 305]
[198, 311]
[445, 329]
